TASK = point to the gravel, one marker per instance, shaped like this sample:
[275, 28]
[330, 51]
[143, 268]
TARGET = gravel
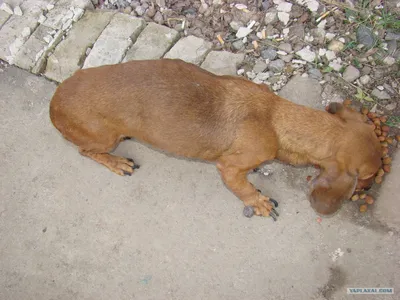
[351, 73]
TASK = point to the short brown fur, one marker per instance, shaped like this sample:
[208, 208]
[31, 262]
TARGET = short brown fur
[185, 110]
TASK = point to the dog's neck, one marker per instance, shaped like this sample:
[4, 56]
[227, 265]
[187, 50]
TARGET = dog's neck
[305, 135]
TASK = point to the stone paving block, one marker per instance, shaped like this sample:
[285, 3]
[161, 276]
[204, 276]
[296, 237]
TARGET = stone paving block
[34, 8]
[114, 41]
[13, 34]
[222, 62]
[61, 17]
[70, 53]
[154, 41]
[3, 17]
[32, 54]
[190, 49]
[84, 4]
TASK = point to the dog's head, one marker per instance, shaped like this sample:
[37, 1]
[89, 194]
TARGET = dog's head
[357, 158]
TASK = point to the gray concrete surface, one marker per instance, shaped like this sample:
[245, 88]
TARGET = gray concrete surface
[71, 229]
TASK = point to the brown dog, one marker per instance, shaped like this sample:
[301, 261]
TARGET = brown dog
[185, 110]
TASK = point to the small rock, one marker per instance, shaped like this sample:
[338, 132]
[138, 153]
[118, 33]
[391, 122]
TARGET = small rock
[271, 18]
[276, 66]
[7, 8]
[238, 45]
[240, 72]
[392, 47]
[365, 36]
[280, 52]
[251, 75]
[389, 60]
[259, 67]
[127, 10]
[285, 47]
[351, 73]
[287, 58]
[26, 32]
[330, 55]
[312, 5]
[297, 31]
[235, 25]
[297, 11]
[41, 19]
[389, 88]
[263, 76]
[322, 24]
[381, 95]
[269, 53]
[336, 46]
[366, 70]
[321, 52]
[315, 73]
[336, 64]
[319, 35]
[243, 32]
[50, 6]
[392, 36]
[306, 54]
[329, 36]
[248, 211]
[17, 11]
[140, 10]
[379, 87]
[391, 106]
[365, 79]
[283, 17]
[158, 18]
[284, 6]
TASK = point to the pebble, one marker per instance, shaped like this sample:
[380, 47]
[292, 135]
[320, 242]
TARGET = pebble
[381, 95]
[283, 17]
[238, 45]
[330, 55]
[17, 11]
[271, 18]
[50, 6]
[306, 54]
[235, 25]
[365, 79]
[269, 53]
[248, 211]
[140, 10]
[240, 72]
[322, 24]
[392, 36]
[259, 67]
[276, 66]
[243, 32]
[351, 73]
[389, 60]
[158, 18]
[285, 47]
[127, 10]
[263, 76]
[365, 36]
[366, 70]
[251, 75]
[329, 36]
[336, 46]
[284, 6]
[336, 64]
[7, 8]
[315, 73]
[319, 35]
[287, 58]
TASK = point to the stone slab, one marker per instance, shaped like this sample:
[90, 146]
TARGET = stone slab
[304, 91]
[222, 62]
[84, 4]
[70, 53]
[34, 8]
[3, 17]
[32, 54]
[114, 41]
[154, 41]
[62, 17]
[13, 34]
[190, 49]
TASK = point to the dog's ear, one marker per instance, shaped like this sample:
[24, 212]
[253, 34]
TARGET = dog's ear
[345, 113]
[330, 189]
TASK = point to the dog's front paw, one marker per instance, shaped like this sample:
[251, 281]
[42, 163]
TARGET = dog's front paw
[264, 206]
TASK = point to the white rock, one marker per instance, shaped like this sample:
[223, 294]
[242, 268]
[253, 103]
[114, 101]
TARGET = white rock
[329, 36]
[342, 40]
[336, 64]
[263, 76]
[322, 24]
[284, 6]
[309, 38]
[330, 55]
[240, 72]
[305, 75]
[47, 38]
[306, 54]
[285, 31]
[311, 4]
[280, 52]
[7, 8]
[283, 17]
[17, 11]
[78, 13]
[270, 17]
[299, 61]
[365, 79]
[259, 35]
[379, 87]
[50, 6]
[321, 52]
[244, 40]
[243, 32]
[251, 75]
[389, 60]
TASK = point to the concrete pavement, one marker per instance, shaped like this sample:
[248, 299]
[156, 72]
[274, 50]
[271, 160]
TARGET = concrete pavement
[71, 229]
